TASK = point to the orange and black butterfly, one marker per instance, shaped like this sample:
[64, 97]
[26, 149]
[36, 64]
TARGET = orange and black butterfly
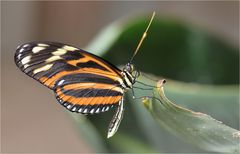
[82, 82]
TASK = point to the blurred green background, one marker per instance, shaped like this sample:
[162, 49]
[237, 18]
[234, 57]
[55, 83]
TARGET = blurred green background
[193, 43]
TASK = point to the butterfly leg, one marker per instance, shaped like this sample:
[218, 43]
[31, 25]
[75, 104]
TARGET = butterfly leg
[148, 97]
[116, 120]
[134, 97]
[133, 94]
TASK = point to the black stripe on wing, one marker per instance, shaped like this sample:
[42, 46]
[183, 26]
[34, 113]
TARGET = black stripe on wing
[83, 78]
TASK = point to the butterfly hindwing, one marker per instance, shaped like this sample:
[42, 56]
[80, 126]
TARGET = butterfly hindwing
[88, 92]
[88, 97]
[82, 82]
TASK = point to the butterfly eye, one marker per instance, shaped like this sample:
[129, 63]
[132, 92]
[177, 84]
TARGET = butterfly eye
[129, 67]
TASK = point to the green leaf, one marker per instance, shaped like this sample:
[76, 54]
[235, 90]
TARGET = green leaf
[89, 132]
[129, 144]
[194, 127]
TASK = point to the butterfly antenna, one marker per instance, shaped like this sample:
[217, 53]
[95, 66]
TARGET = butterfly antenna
[143, 37]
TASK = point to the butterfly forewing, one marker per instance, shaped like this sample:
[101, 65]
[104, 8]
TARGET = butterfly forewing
[81, 81]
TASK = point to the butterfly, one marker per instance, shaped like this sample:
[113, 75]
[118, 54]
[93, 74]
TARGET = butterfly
[82, 82]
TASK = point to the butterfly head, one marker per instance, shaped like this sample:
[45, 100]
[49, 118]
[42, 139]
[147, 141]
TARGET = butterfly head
[129, 67]
[131, 72]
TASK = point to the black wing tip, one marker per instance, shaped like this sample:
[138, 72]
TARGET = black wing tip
[17, 55]
[23, 49]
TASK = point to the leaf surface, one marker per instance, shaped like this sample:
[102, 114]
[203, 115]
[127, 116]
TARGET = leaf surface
[194, 127]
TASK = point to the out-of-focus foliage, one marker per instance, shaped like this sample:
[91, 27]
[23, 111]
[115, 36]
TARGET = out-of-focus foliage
[177, 51]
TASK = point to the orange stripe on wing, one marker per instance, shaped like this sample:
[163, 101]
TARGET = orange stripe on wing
[92, 85]
[51, 81]
[88, 58]
[88, 100]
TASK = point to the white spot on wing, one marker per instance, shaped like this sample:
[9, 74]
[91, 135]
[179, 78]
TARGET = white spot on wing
[18, 47]
[92, 111]
[69, 106]
[69, 48]
[37, 49]
[21, 50]
[26, 45]
[19, 56]
[44, 68]
[43, 45]
[61, 82]
[103, 109]
[25, 60]
[85, 111]
[53, 58]
[25, 66]
[60, 101]
[97, 111]
[80, 110]
[59, 52]
[74, 109]
[107, 108]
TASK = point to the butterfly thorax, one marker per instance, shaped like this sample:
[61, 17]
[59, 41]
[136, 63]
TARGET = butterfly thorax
[129, 75]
